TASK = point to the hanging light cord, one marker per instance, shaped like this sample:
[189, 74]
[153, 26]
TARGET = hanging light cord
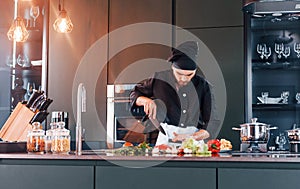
[61, 5]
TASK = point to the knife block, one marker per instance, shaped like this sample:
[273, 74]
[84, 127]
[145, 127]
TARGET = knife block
[17, 125]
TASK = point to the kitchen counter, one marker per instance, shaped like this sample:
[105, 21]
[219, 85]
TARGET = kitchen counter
[221, 157]
[92, 171]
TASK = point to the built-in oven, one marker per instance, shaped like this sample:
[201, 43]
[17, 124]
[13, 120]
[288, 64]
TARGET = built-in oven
[123, 122]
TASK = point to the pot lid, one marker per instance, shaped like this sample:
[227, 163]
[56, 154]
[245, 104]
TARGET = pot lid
[254, 123]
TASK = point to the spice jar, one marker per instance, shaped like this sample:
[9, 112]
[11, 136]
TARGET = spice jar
[49, 136]
[36, 139]
[61, 139]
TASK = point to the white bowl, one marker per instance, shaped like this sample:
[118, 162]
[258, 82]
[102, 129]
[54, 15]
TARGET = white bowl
[269, 100]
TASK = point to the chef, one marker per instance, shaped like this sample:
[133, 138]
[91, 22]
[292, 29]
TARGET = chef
[179, 98]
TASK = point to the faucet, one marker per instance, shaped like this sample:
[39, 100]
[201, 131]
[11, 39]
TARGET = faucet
[81, 107]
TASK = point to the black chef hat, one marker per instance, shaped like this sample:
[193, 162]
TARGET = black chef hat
[183, 57]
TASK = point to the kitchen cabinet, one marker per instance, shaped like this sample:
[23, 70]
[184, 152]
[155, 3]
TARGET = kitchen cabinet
[220, 28]
[23, 64]
[272, 42]
[154, 177]
[257, 178]
[26, 71]
[46, 176]
[143, 55]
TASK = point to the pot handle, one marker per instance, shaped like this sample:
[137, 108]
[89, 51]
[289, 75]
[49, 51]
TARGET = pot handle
[236, 129]
[271, 128]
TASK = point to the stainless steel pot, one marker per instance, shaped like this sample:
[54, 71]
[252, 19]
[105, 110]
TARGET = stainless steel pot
[254, 132]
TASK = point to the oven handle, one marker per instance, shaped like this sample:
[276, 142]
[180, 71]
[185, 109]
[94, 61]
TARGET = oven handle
[120, 101]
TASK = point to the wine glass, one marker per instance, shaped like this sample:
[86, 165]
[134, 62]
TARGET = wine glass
[280, 140]
[23, 61]
[297, 97]
[34, 13]
[285, 96]
[10, 61]
[297, 49]
[265, 96]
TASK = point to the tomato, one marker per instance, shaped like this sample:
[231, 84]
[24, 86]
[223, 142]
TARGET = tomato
[214, 145]
[127, 144]
[163, 147]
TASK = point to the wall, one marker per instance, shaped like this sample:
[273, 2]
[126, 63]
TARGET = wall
[67, 52]
[221, 30]
[90, 19]
[219, 27]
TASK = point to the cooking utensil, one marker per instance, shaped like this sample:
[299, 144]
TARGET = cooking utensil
[37, 102]
[39, 117]
[155, 123]
[45, 104]
[33, 97]
[254, 132]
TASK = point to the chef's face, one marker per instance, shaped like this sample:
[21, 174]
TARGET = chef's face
[183, 77]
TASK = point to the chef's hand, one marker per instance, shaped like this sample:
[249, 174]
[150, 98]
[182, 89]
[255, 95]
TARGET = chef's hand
[201, 134]
[179, 137]
[149, 106]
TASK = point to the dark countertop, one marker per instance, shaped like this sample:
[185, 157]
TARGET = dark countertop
[221, 157]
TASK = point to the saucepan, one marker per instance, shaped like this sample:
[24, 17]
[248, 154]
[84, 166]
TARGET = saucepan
[254, 132]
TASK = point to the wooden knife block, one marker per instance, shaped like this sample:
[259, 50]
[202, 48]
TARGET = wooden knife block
[17, 125]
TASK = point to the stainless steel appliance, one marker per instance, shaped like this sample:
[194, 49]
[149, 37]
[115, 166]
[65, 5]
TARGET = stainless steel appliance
[254, 136]
[123, 121]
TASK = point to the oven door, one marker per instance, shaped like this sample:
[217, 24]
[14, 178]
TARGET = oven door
[129, 129]
[120, 118]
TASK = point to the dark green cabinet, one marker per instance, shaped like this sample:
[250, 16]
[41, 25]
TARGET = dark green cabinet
[46, 177]
[154, 177]
[257, 178]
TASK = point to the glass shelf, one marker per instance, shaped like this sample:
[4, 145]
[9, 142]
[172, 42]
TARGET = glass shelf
[278, 107]
[290, 65]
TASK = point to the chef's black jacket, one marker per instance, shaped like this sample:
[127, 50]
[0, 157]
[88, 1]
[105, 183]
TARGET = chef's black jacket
[189, 106]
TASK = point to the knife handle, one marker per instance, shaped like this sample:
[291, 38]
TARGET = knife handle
[35, 95]
[37, 102]
[45, 105]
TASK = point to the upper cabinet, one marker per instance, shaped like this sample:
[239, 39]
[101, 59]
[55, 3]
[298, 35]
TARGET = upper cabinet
[142, 51]
[24, 64]
[272, 33]
[208, 13]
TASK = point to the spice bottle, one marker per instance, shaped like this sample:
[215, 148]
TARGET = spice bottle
[36, 139]
[61, 139]
[49, 137]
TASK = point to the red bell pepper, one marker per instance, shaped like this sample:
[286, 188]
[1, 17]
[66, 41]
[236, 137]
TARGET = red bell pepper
[214, 145]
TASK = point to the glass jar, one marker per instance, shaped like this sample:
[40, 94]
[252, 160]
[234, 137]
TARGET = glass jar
[36, 139]
[61, 139]
[49, 136]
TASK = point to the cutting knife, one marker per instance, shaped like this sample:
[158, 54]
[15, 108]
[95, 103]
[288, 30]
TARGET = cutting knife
[39, 117]
[45, 104]
[37, 102]
[33, 97]
[155, 123]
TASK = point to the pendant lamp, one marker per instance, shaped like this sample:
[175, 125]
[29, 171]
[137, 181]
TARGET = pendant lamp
[63, 23]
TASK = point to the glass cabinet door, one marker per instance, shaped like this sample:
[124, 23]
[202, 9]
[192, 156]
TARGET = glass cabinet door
[272, 57]
[23, 64]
